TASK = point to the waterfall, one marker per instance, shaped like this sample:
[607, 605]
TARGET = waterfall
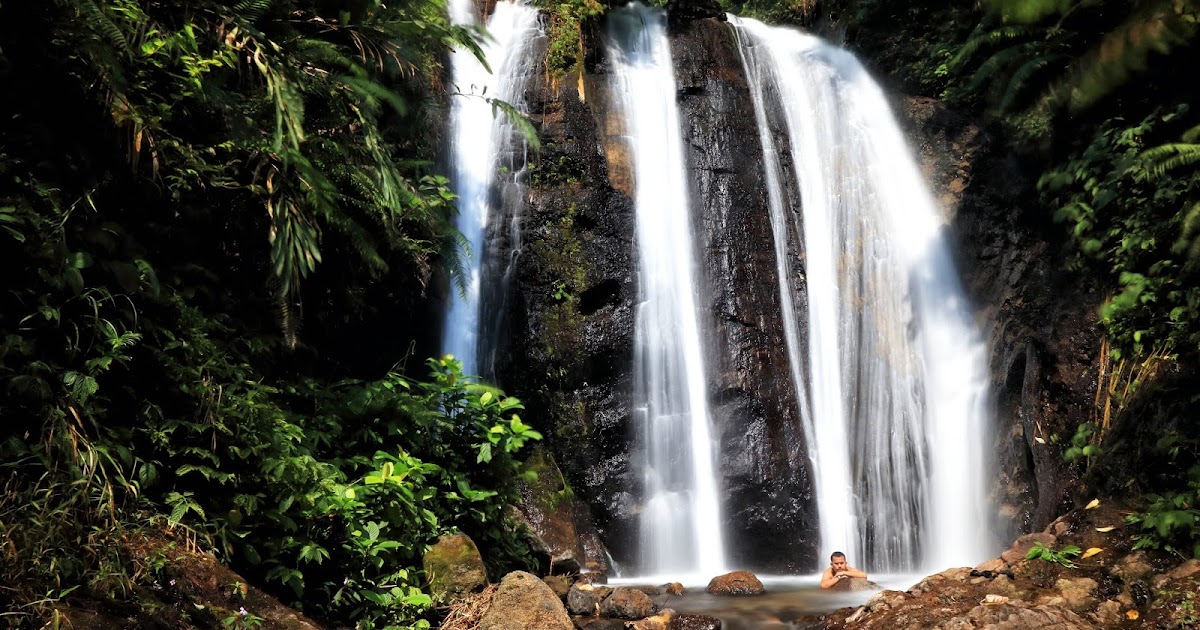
[680, 521]
[894, 400]
[483, 156]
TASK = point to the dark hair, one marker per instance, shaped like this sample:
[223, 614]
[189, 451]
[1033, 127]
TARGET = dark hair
[836, 554]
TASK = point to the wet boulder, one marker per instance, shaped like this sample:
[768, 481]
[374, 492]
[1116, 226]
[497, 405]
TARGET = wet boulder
[855, 585]
[694, 622]
[584, 599]
[674, 588]
[735, 583]
[627, 603]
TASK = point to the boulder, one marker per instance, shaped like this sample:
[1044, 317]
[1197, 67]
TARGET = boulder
[523, 601]
[1077, 593]
[694, 622]
[1021, 546]
[1108, 614]
[454, 567]
[855, 585]
[674, 588]
[627, 603]
[599, 623]
[1133, 567]
[735, 583]
[995, 565]
[1012, 617]
[660, 621]
[560, 584]
[1185, 570]
[584, 599]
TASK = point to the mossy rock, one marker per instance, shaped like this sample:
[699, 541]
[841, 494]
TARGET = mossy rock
[454, 568]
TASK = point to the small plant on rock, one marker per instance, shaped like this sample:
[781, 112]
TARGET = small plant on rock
[1065, 556]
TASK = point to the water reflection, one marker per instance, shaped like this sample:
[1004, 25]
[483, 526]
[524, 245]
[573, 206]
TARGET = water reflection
[790, 601]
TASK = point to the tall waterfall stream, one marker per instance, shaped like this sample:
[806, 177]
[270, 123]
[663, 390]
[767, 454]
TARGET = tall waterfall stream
[888, 366]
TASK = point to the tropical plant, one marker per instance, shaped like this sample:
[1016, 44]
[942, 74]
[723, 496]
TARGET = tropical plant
[1065, 556]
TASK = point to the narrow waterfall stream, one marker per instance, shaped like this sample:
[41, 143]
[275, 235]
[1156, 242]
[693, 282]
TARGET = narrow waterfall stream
[895, 404]
[481, 153]
[680, 523]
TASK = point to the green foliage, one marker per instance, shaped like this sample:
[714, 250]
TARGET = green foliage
[1180, 603]
[171, 177]
[564, 53]
[1171, 521]
[1065, 556]
[1082, 444]
[330, 82]
[1101, 45]
[1125, 221]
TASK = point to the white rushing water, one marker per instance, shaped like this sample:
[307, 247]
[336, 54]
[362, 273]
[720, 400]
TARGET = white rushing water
[895, 403]
[680, 523]
[482, 144]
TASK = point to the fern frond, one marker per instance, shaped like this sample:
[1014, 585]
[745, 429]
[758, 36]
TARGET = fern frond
[251, 10]
[998, 63]
[98, 20]
[1188, 243]
[1035, 64]
[1159, 26]
[1029, 10]
[989, 39]
[1163, 158]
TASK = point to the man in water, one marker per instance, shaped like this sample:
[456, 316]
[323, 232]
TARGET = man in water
[839, 570]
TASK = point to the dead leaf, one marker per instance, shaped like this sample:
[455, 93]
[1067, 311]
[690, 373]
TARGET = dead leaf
[1095, 503]
[1091, 552]
[1106, 529]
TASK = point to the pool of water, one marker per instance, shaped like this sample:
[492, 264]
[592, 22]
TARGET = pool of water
[788, 598]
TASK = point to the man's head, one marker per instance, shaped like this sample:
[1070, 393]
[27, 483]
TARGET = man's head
[838, 561]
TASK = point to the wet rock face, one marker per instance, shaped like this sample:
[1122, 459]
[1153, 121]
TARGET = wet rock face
[568, 347]
[569, 353]
[1039, 320]
[769, 516]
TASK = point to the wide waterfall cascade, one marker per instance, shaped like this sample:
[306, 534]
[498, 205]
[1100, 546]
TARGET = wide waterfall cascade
[680, 523]
[895, 406]
[481, 148]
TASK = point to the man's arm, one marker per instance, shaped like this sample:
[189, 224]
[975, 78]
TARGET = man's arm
[828, 579]
[854, 573]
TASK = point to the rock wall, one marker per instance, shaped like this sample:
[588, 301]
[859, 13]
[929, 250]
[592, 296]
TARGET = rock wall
[1039, 319]
[770, 516]
[569, 333]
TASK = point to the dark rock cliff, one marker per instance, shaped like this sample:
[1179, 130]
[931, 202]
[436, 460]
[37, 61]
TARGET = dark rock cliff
[568, 336]
[767, 495]
[1039, 320]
